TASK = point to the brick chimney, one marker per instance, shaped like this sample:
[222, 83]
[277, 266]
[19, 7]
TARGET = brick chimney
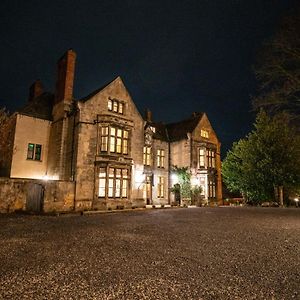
[35, 90]
[148, 114]
[65, 77]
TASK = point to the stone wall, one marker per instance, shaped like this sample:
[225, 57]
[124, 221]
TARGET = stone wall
[7, 134]
[180, 153]
[58, 195]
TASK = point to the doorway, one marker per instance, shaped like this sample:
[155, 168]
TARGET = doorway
[35, 197]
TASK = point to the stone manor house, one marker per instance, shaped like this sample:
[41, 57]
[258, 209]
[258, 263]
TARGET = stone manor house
[99, 152]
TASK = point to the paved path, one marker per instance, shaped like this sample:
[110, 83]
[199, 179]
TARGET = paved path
[199, 253]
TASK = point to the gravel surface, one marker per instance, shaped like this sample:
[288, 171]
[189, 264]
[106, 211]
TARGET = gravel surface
[194, 253]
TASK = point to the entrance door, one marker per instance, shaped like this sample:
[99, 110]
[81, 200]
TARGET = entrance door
[149, 189]
[35, 197]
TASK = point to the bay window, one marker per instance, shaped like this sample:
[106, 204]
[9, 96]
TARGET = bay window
[113, 182]
[114, 140]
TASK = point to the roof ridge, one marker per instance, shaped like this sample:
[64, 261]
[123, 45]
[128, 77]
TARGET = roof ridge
[90, 95]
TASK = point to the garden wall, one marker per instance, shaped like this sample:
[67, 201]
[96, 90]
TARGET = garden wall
[57, 196]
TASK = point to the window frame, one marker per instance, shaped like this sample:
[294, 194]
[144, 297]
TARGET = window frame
[147, 161]
[113, 182]
[114, 140]
[115, 106]
[35, 153]
[204, 133]
[201, 157]
[161, 187]
[211, 158]
[211, 189]
[160, 154]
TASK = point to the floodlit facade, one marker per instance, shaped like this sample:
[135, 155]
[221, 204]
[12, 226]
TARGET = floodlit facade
[116, 157]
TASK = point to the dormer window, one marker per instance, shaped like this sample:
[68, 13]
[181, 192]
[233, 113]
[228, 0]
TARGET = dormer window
[115, 106]
[204, 133]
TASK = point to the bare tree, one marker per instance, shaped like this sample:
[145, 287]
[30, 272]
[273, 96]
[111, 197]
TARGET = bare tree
[278, 70]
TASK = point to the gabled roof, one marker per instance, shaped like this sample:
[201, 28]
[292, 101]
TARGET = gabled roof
[178, 131]
[40, 107]
[89, 96]
[160, 131]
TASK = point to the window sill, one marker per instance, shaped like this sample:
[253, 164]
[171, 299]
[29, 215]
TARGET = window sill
[29, 159]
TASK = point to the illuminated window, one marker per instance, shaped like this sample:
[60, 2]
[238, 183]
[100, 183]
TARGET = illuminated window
[117, 181]
[161, 187]
[204, 133]
[102, 182]
[119, 140]
[121, 105]
[109, 104]
[211, 159]
[125, 181]
[34, 152]
[211, 189]
[201, 157]
[104, 138]
[114, 140]
[147, 156]
[115, 106]
[125, 141]
[160, 158]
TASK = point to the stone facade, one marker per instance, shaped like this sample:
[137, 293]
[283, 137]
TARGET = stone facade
[99, 152]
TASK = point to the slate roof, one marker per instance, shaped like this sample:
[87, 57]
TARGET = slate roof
[160, 131]
[40, 107]
[178, 131]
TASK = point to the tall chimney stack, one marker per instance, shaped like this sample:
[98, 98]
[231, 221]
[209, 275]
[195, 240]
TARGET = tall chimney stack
[35, 90]
[65, 77]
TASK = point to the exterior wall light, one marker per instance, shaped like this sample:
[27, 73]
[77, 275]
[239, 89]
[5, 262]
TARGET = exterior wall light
[174, 178]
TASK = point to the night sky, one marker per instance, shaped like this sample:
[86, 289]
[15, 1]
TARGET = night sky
[175, 57]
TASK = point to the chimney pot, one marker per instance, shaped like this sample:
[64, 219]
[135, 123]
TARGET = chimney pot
[35, 90]
[148, 115]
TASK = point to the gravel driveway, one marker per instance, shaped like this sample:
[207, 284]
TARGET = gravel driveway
[195, 253]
